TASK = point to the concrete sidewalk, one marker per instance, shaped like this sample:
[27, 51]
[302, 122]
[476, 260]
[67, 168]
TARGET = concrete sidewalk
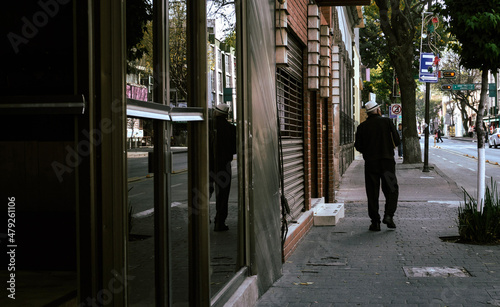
[413, 265]
[143, 151]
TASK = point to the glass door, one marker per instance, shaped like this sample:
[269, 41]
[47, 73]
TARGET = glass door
[178, 188]
[148, 152]
[223, 156]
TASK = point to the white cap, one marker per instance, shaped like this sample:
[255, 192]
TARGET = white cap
[371, 106]
[222, 108]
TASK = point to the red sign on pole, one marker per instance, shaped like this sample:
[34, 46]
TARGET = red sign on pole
[395, 110]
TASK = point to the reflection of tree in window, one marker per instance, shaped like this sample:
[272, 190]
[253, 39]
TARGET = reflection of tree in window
[142, 51]
[223, 11]
[177, 47]
[139, 31]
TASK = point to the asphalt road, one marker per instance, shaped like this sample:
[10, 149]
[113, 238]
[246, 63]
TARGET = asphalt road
[140, 183]
[458, 160]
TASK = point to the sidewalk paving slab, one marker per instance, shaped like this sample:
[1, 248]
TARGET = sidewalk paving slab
[348, 265]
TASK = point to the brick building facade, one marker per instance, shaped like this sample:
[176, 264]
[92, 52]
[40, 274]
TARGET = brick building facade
[327, 38]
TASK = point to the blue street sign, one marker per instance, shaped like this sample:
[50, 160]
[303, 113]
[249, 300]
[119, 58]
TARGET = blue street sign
[426, 60]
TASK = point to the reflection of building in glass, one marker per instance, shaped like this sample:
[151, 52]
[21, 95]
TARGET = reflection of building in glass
[135, 131]
[222, 74]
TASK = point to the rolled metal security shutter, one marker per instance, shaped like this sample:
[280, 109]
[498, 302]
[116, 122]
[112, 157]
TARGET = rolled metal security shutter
[291, 109]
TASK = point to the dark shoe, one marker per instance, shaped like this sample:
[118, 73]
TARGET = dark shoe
[375, 226]
[389, 221]
[220, 227]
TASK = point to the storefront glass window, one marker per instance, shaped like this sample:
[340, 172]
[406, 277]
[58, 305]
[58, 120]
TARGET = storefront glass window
[224, 204]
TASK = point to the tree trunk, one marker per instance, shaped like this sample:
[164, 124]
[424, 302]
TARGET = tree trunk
[465, 116]
[399, 33]
[411, 144]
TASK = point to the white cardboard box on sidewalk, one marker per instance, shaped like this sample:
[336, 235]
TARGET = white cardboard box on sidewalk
[328, 214]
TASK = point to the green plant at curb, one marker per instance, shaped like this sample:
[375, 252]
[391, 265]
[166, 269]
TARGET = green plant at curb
[480, 227]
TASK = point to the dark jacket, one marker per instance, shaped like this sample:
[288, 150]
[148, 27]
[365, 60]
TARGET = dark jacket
[224, 142]
[376, 138]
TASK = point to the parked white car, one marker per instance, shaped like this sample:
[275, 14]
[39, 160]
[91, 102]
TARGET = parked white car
[494, 138]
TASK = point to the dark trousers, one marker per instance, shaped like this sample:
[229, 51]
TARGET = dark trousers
[222, 180]
[384, 171]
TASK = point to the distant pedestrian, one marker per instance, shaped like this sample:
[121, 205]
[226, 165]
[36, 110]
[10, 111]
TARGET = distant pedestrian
[400, 146]
[376, 139]
[485, 131]
[439, 134]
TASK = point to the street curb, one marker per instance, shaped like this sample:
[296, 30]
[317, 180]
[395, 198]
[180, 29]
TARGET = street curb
[451, 183]
[466, 155]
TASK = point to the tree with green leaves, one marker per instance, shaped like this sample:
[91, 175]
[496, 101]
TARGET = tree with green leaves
[177, 48]
[141, 52]
[138, 12]
[381, 83]
[463, 100]
[381, 72]
[230, 39]
[391, 37]
[476, 26]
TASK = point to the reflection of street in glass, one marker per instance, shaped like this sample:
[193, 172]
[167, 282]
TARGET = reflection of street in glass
[141, 240]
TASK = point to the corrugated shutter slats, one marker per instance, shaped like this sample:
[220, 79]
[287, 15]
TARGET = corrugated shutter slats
[291, 109]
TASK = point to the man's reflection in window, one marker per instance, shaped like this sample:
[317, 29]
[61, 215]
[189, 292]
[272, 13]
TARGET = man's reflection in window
[222, 149]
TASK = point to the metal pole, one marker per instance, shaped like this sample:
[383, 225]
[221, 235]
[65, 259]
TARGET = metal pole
[427, 98]
[161, 142]
[198, 203]
[426, 139]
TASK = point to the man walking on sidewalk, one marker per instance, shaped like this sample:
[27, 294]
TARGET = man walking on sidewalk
[376, 139]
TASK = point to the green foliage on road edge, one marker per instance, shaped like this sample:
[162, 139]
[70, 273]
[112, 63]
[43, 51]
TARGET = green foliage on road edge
[480, 227]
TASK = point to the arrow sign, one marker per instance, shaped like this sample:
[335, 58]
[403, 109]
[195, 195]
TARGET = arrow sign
[426, 61]
[425, 78]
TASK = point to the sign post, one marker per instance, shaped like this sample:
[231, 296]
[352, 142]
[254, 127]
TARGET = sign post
[428, 74]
